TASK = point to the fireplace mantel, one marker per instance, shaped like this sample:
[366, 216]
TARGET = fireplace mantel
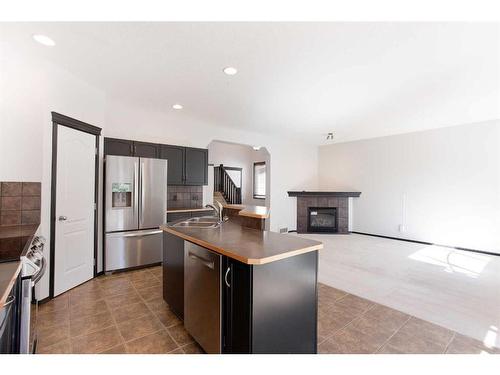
[310, 193]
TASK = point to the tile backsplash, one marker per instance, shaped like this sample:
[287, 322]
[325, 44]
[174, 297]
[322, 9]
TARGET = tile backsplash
[185, 196]
[20, 203]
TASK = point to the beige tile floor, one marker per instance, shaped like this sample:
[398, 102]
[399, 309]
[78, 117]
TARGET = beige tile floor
[459, 290]
[125, 313]
[350, 324]
[120, 313]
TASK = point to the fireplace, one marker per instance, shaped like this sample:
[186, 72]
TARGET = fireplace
[322, 220]
[323, 211]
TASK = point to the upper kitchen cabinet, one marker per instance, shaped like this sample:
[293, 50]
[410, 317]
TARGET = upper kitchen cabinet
[123, 147]
[196, 170]
[176, 158]
[146, 150]
[186, 165]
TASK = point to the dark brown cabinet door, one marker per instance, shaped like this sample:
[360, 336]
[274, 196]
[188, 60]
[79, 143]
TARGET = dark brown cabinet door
[236, 306]
[173, 273]
[122, 147]
[196, 171]
[146, 150]
[175, 156]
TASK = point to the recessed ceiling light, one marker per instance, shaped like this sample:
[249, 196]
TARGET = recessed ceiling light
[230, 71]
[256, 148]
[177, 106]
[45, 40]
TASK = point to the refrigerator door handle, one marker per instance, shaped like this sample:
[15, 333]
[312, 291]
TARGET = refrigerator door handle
[141, 233]
[141, 211]
[136, 188]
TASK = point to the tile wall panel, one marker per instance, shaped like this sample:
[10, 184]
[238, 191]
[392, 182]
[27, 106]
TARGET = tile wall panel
[185, 197]
[20, 203]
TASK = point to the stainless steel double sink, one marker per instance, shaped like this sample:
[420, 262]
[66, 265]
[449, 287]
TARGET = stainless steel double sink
[199, 222]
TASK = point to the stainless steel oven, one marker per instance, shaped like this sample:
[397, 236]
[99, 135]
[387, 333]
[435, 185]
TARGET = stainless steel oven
[9, 321]
[33, 268]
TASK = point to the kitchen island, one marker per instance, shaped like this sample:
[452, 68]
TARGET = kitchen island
[242, 290]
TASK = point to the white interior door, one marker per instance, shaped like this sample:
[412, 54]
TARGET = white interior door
[74, 226]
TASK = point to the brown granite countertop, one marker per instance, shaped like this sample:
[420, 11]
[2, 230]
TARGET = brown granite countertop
[11, 231]
[246, 245]
[175, 210]
[259, 212]
[8, 275]
[14, 240]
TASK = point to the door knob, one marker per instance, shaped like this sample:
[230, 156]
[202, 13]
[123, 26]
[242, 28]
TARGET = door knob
[63, 218]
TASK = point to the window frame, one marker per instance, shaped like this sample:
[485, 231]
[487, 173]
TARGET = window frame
[257, 196]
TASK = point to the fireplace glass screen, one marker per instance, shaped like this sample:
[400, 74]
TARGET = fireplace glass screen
[322, 219]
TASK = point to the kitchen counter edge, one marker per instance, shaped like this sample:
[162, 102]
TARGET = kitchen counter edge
[250, 261]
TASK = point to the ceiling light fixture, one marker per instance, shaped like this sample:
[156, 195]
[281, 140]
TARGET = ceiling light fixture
[230, 71]
[256, 148]
[43, 39]
[177, 106]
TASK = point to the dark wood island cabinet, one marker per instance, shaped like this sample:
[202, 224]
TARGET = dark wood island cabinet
[271, 308]
[268, 286]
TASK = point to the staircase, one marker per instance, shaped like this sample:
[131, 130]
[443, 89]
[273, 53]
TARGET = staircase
[224, 185]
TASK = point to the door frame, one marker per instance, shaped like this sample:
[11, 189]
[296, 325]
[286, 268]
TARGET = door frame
[62, 120]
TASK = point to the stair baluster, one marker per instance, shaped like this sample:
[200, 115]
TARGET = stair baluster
[224, 184]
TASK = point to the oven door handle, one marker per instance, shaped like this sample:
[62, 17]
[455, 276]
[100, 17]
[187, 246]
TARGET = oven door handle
[10, 301]
[7, 306]
[43, 266]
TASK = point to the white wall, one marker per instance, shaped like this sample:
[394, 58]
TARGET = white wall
[31, 88]
[241, 156]
[293, 164]
[30, 91]
[443, 185]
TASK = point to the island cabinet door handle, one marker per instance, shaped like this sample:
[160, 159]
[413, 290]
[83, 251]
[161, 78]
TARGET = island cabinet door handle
[205, 262]
[225, 277]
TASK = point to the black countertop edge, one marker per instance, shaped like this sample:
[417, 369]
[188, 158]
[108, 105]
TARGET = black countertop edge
[354, 194]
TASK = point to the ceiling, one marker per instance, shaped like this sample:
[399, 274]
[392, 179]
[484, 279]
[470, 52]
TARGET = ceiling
[358, 80]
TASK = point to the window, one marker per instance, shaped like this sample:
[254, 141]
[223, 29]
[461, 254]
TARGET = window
[259, 180]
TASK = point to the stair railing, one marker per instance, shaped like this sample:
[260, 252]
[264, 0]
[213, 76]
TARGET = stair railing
[224, 184]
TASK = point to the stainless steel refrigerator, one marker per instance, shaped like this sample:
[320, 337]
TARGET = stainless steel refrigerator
[136, 205]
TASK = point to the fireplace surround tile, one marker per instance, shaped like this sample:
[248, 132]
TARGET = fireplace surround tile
[343, 212]
[333, 202]
[323, 202]
[338, 200]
